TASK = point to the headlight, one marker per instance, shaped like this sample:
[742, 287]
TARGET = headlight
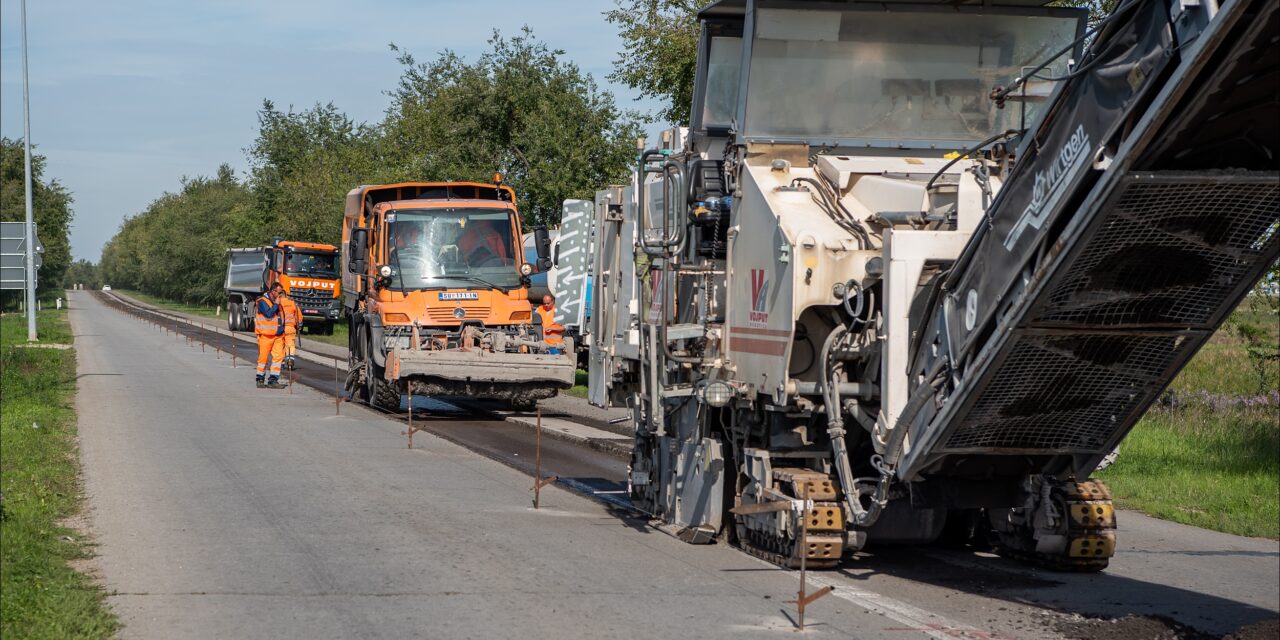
[385, 271]
[526, 269]
[718, 393]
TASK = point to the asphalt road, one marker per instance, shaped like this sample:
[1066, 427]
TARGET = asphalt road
[221, 510]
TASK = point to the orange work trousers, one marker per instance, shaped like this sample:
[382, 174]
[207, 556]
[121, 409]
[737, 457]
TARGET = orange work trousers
[290, 344]
[270, 355]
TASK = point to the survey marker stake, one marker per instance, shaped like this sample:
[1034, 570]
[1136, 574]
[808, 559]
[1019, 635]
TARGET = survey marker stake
[538, 481]
[412, 429]
[337, 399]
[803, 600]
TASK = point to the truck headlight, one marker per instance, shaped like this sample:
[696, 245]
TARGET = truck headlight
[385, 271]
[717, 394]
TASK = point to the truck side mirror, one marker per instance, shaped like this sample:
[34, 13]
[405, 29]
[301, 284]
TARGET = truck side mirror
[356, 250]
[542, 245]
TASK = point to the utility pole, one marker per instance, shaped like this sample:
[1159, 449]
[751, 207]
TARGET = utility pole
[31, 225]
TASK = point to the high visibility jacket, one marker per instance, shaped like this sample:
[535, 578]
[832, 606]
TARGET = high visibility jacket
[552, 333]
[292, 315]
[269, 320]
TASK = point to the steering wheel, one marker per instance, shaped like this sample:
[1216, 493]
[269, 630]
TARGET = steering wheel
[417, 265]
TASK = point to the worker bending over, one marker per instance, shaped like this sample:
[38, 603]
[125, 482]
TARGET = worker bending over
[552, 333]
[292, 325]
[269, 327]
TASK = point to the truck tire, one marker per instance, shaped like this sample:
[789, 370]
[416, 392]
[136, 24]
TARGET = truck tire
[233, 321]
[383, 395]
[377, 392]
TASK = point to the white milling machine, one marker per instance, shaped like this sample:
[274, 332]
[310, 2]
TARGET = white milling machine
[916, 268]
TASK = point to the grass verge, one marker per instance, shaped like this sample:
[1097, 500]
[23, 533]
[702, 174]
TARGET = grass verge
[181, 307]
[43, 596]
[579, 388]
[1208, 455]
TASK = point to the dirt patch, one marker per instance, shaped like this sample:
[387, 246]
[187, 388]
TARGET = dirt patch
[1128, 628]
[1265, 630]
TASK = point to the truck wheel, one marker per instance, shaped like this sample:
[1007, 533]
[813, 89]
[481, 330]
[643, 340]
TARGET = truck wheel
[382, 394]
[233, 322]
[326, 329]
[377, 392]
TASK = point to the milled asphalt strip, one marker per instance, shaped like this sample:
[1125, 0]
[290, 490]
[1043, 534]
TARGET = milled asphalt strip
[559, 428]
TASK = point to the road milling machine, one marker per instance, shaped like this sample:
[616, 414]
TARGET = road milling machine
[915, 268]
[436, 291]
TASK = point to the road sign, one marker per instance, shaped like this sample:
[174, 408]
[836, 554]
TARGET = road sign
[13, 255]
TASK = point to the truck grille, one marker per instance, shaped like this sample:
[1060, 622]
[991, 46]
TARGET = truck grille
[312, 298]
[444, 315]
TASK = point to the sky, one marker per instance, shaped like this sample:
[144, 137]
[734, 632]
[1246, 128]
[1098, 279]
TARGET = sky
[129, 96]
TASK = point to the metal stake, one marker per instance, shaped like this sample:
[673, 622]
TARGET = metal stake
[337, 399]
[538, 481]
[802, 600]
[411, 428]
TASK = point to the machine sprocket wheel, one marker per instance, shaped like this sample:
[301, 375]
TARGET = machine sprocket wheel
[1089, 527]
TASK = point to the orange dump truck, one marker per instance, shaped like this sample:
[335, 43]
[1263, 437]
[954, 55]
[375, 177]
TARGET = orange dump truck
[435, 286]
[307, 270]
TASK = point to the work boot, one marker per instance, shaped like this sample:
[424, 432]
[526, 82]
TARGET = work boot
[261, 383]
[275, 384]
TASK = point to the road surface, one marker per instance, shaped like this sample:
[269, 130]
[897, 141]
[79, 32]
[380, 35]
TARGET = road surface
[221, 510]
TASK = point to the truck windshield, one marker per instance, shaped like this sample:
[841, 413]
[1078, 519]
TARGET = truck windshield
[894, 76]
[319, 265]
[462, 248]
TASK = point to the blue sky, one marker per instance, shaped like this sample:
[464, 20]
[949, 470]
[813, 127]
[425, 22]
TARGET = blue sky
[129, 96]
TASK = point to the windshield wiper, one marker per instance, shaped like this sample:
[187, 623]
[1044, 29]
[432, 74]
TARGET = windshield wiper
[481, 281]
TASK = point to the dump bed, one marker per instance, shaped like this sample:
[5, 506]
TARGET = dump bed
[246, 270]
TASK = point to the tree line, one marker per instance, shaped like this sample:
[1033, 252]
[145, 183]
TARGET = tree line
[520, 108]
[51, 208]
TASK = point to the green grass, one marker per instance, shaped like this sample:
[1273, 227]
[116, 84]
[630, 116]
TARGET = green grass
[43, 596]
[579, 388]
[181, 307]
[339, 337]
[1209, 461]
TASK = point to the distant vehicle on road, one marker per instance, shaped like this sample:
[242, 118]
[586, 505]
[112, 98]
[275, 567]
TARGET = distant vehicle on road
[106, 287]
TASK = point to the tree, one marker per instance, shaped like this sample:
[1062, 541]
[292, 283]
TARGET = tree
[660, 51]
[303, 164]
[521, 110]
[176, 248]
[51, 208]
[82, 272]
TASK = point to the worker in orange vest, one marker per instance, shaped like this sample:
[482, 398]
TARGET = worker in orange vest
[292, 325]
[269, 327]
[552, 333]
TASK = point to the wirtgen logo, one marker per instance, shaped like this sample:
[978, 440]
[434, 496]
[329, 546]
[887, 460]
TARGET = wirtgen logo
[759, 291]
[1045, 190]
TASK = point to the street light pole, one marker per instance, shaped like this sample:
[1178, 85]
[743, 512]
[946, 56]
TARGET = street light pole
[31, 225]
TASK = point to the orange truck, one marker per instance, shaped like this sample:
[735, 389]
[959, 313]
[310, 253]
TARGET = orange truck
[436, 290]
[308, 272]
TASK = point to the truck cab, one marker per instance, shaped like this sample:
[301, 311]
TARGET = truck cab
[308, 271]
[437, 290]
